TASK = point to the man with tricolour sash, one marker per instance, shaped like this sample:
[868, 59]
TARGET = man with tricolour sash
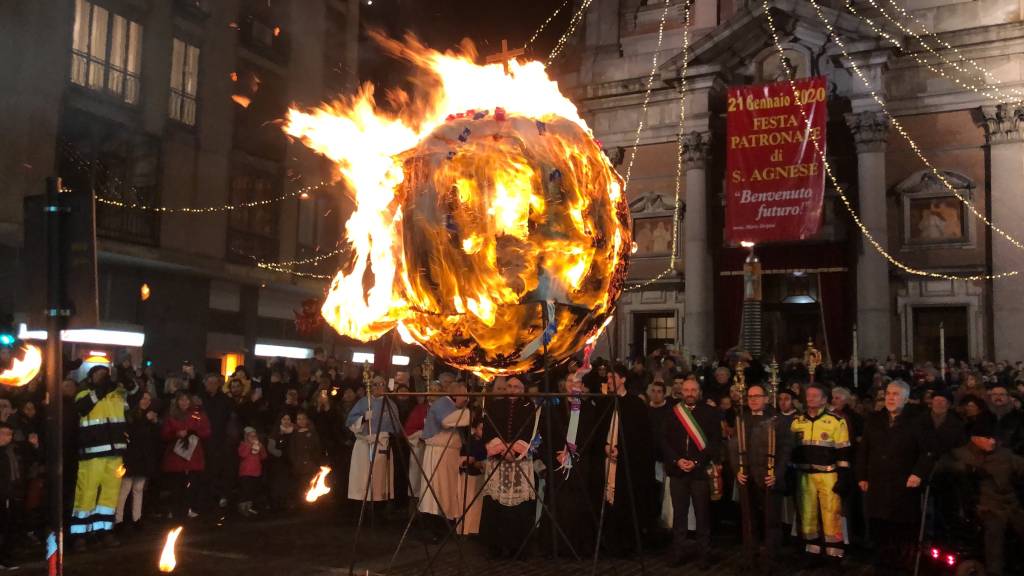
[690, 446]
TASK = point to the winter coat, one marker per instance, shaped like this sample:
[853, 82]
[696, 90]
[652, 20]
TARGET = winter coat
[11, 477]
[143, 454]
[249, 464]
[676, 442]
[949, 435]
[756, 457]
[887, 456]
[194, 423]
[991, 475]
[304, 452]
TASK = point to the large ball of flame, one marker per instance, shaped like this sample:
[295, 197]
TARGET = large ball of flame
[488, 221]
[517, 230]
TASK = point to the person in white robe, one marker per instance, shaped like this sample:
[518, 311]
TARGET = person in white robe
[441, 491]
[373, 420]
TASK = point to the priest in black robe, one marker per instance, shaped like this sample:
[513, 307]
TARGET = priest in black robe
[627, 468]
[510, 425]
[573, 497]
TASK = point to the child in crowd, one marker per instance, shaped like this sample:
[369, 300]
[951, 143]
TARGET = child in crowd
[251, 454]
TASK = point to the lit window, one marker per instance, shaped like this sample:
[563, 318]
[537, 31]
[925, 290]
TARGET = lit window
[106, 53]
[184, 82]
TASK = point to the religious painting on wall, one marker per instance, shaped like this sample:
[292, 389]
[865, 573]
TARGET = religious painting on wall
[775, 177]
[653, 236]
[936, 220]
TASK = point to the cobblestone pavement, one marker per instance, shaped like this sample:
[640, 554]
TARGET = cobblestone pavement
[315, 542]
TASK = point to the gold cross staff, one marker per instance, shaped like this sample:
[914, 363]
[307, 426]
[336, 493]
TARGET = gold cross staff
[505, 55]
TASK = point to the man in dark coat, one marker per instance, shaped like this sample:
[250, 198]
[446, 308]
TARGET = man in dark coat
[222, 446]
[892, 463]
[991, 471]
[764, 488]
[629, 453]
[1009, 420]
[943, 428]
[692, 440]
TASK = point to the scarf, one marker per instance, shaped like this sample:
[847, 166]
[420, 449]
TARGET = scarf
[690, 424]
[574, 415]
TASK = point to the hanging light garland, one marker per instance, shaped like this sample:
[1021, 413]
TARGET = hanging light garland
[573, 23]
[545, 25]
[83, 164]
[679, 159]
[997, 95]
[906, 136]
[303, 193]
[978, 68]
[835, 182]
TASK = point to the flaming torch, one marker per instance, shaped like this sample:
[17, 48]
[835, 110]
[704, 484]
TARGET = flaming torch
[23, 370]
[167, 559]
[489, 227]
[318, 486]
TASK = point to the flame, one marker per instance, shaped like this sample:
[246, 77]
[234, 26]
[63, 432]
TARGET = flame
[121, 471]
[318, 486]
[242, 101]
[23, 370]
[167, 559]
[479, 198]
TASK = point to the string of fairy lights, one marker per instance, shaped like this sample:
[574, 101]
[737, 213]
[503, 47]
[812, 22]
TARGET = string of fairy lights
[998, 94]
[899, 126]
[906, 136]
[545, 24]
[83, 164]
[835, 182]
[647, 98]
[904, 49]
[985, 73]
[677, 209]
[563, 41]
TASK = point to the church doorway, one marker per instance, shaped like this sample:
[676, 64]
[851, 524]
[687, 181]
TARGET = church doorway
[653, 331]
[927, 320]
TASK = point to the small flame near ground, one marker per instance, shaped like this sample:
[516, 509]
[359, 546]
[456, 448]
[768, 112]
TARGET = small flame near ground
[167, 559]
[23, 370]
[318, 486]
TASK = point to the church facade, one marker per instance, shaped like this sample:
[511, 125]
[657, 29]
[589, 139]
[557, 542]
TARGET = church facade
[950, 129]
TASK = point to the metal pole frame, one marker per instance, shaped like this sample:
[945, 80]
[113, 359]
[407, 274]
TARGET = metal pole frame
[56, 313]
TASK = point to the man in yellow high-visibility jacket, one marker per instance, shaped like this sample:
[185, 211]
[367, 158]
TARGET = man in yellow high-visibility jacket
[822, 462]
[102, 440]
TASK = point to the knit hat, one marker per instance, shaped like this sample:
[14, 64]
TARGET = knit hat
[944, 393]
[247, 429]
[983, 426]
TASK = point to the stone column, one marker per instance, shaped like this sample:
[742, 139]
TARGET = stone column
[698, 322]
[1004, 126]
[874, 317]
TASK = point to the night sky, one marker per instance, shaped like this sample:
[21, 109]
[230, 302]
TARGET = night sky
[442, 24]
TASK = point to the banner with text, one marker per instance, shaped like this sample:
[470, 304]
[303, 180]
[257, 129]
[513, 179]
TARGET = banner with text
[775, 178]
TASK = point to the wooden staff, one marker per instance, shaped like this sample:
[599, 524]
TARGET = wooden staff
[773, 385]
[741, 446]
[368, 383]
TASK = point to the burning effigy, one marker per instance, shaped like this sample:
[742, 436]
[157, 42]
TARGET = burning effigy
[489, 226]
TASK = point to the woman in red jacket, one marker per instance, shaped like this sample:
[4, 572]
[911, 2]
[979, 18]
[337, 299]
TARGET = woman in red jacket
[185, 429]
